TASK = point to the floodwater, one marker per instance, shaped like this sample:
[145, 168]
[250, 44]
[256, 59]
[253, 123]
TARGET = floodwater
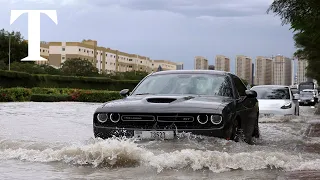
[55, 141]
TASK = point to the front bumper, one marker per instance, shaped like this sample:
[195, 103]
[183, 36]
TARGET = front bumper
[107, 132]
[306, 101]
[276, 112]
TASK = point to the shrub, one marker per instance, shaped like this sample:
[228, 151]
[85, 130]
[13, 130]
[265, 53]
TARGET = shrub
[95, 96]
[15, 94]
[50, 97]
[38, 90]
[56, 95]
[20, 79]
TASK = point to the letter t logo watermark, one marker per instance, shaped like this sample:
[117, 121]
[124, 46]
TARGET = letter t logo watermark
[33, 30]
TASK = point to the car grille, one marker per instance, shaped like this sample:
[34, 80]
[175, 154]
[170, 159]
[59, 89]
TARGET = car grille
[158, 121]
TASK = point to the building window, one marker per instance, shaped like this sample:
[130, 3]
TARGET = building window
[63, 57]
[63, 49]
[79, 49]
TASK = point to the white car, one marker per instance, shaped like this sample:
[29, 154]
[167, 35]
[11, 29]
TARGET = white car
[276, 100]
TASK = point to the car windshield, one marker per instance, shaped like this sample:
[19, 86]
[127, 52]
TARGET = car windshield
[196, 84]
[272, 93]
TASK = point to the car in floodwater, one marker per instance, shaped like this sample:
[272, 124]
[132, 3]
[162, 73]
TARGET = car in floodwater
[276, 100]
[308, 97]
[203, 102]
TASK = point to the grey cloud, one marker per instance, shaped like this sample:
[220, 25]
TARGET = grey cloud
[194, 8]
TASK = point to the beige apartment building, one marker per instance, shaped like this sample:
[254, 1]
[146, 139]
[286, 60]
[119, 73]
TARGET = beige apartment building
[263, 71]
[201, 62]
[222, 63]
[244, 68]
[165, 65]
[282, 70]
[301, 70]
[106, 59]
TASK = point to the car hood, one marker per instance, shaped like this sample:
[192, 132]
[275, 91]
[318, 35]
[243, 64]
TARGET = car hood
[167, 104]
[272, 103]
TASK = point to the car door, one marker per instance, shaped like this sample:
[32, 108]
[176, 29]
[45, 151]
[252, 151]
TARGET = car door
[246, 107]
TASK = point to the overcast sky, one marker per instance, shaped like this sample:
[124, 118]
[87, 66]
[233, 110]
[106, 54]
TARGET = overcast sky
[175, 30]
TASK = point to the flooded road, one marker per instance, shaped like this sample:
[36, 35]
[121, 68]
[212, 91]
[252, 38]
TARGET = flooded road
[55, 141]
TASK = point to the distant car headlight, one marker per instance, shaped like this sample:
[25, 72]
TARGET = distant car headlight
[102, 117]
[216, 119]
[287, 105]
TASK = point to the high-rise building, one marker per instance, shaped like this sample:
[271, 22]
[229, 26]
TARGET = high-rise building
[282, 67]
[263, 71]
[302, 70]
[244, 67]
[222, 63]
[252, 76]
[179, 66]
[200, 62]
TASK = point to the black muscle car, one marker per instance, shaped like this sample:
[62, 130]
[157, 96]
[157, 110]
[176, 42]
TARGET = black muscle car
[203, 102]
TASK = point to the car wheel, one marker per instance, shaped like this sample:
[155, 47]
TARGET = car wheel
[256, 131]
[231, 132]
[248, 132]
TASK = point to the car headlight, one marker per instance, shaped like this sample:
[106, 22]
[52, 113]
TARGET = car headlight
[288, 105]
[216, 119]
[102, 117]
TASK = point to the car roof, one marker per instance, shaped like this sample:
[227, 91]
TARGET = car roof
[191, 72]
[272, 86]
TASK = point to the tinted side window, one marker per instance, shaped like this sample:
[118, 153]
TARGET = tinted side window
[241, 88]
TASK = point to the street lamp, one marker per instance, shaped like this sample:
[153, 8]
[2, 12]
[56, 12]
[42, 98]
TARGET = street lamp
[9, 50]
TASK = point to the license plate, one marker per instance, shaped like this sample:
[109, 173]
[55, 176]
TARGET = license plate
[154, 134]
[266, 115]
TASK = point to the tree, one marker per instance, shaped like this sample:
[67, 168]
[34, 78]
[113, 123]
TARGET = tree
[19, 48]
[304, 19]
[3, 65]
[50, 70]
[78, 67]
[29, 67]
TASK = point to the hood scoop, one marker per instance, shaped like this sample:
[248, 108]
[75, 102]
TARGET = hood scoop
[161, 100]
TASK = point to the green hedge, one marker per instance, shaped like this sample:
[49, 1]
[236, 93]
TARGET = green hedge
[10, 79]
[50, 97]
[55, 95]
[15, 94]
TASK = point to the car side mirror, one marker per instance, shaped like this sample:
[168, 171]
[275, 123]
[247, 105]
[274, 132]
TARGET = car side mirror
[124, 92]
[251, 93]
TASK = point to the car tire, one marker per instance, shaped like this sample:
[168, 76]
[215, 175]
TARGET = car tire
[231, 132]
[256, 131]
[249, 131]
